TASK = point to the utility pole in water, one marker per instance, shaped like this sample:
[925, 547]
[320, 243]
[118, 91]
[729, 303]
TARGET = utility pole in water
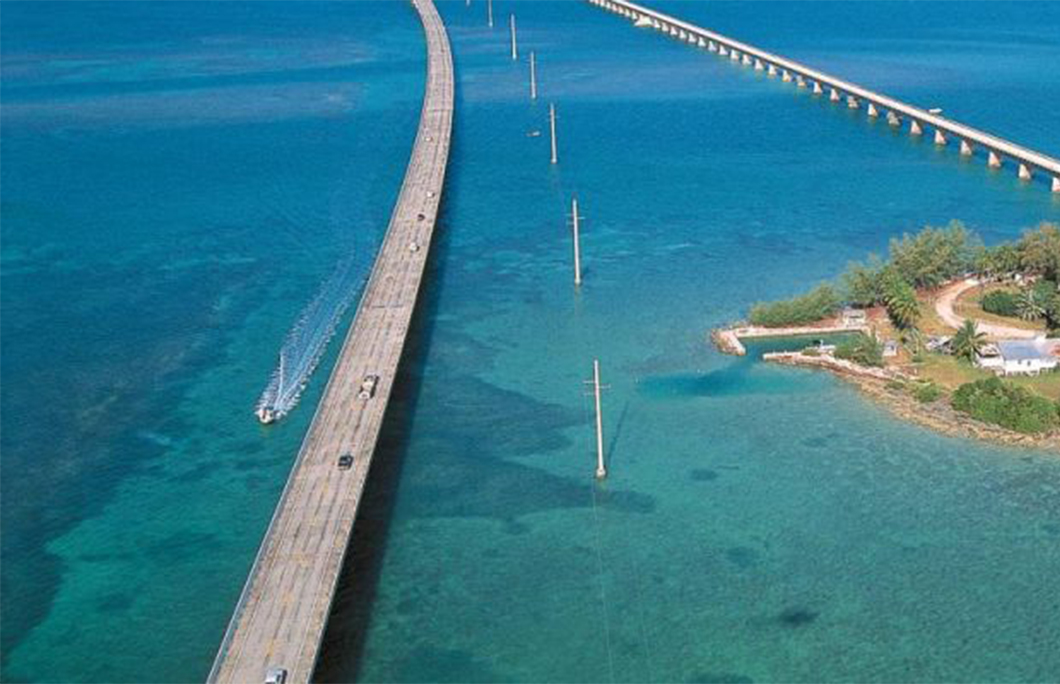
[515, 49]
[577, 239]
[489, 13]
[552, 126]
[601, 469]
[533, 76]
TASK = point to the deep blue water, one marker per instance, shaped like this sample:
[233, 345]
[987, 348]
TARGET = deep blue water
[178, 181]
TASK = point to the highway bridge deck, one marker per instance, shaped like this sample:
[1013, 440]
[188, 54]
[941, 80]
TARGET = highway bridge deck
[281, 615]
[996, 147]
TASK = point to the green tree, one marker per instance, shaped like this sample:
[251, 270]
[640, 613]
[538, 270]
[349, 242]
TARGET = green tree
[1008, 405]
[1027, 305]
[902, 304]
[862, 282]
[935, 255]
[968, 341]
[1003, 259]
[862, 349]
[820, 303]
[1040, 251]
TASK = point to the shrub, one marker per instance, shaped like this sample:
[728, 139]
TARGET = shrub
[1000, 302]
[809, 308]
[926, 392]
[1007, 405]
[861, 349]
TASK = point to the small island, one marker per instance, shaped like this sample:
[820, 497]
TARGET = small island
[945, 331]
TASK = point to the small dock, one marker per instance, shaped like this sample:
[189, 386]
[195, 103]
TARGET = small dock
[728, 340]
[280, 618]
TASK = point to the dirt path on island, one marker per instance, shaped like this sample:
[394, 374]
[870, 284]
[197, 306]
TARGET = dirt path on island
[944, 308]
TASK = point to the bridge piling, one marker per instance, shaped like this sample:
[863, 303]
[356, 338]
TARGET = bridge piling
[914, 127]
[940, 138]
[966, 149]
[993, 160]
[817, 89]
[1024, 172]
[1056, 184]
[834, 96]
[873, 112]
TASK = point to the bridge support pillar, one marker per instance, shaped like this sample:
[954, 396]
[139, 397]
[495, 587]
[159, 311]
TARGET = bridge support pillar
[722, 51]
[702, 43]
[734, 56]
[785, 76]
[852, 102]
[914, 127]
[893, 119]
[1056, 184]
[966, 148]
[746, 60]
[940, 138]
[817, 88]
[712, 46]
[873, 112]
[800, 81]
[1024, 172]
[759, 66]
[834, 97]
[772, 70]
[993, 161]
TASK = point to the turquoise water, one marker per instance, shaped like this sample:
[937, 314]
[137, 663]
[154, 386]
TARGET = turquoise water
[179, 181]
[171, 204]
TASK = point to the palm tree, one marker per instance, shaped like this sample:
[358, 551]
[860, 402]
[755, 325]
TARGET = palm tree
[1028, 307]
[968, 341]
[902, 304]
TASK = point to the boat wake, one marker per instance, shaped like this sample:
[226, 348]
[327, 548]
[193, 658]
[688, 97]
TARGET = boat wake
[306, 342]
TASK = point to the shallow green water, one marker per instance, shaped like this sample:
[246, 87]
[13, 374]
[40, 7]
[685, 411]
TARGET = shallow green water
[758, 524]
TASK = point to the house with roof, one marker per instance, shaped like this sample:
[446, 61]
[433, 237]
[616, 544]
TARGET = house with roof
[1020, 357]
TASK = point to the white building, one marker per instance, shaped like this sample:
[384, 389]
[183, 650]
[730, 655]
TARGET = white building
[1020, 357]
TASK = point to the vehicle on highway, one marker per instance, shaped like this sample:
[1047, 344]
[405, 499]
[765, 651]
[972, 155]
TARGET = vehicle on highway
[368, 387]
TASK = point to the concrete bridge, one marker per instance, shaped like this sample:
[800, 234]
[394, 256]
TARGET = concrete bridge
[998, 150]
[280, 618]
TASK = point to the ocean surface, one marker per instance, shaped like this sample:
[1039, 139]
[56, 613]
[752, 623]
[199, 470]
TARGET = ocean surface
[181, 179]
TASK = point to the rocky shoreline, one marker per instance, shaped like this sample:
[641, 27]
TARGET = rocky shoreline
[879, 385]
